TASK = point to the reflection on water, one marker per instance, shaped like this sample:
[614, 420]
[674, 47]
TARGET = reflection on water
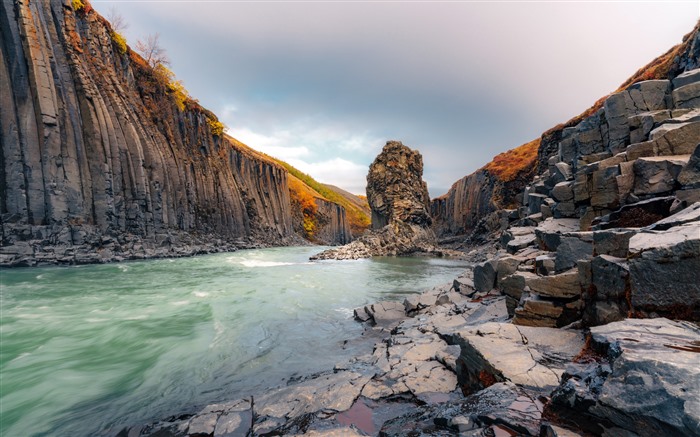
[88, 349]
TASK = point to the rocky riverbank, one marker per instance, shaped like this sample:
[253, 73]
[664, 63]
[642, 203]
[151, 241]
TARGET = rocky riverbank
[454, 360]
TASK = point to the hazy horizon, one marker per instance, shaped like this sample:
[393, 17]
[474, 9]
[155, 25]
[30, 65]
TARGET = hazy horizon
[323, 85]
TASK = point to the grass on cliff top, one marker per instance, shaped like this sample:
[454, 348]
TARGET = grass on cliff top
[507, 165]
[358, 217]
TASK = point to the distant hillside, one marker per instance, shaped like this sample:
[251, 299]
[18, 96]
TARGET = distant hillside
[356, 207]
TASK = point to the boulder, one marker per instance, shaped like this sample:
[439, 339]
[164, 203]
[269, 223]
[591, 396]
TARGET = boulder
[656, 175]
[603, 188]
[573, 248]
[563, 191]
[383, 314]
[664, 268]
[645, 383]
[563, 285]
[485, 275]
[687, 96]
[549, 232]
[512, 286]
[613, 242]
[610, 277]
[686, 78]
[542, 312]
[649, 95]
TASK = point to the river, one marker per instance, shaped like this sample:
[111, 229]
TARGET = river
[86, 350]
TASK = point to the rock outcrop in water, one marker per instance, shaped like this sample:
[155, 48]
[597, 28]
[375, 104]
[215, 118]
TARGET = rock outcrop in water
[399, 201]
[100, 161]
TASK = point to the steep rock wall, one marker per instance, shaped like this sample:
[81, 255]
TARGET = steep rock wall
[97, 159]
[474, 198]
[333, 226]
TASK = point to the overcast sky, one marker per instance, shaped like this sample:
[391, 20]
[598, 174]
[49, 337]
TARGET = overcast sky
[323, 85]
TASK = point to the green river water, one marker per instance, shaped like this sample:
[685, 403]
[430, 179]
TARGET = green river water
[86, 350]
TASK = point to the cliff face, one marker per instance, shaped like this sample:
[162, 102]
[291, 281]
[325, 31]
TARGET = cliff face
[496, 186]
[475, 197]
[99, 160]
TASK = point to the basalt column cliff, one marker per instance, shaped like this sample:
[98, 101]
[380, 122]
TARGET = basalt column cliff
[100, 160]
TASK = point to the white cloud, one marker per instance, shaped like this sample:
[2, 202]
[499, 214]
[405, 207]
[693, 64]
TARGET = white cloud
[340, 172]
[276, 145]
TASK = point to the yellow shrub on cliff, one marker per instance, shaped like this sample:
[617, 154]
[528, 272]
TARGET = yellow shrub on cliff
[119, 41]
[217, 127]
[78, 5]
[302, 199]
[175, 87]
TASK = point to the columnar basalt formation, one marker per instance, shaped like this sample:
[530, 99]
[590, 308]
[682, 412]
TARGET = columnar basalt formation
[99, 161]
[399, 201]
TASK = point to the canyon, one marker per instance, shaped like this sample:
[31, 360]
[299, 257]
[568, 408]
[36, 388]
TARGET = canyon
[577, 316]
[102, 160]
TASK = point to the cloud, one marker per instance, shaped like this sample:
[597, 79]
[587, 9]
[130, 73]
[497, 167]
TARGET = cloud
[338, 171]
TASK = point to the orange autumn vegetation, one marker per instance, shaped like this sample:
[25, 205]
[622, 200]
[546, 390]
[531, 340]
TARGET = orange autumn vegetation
[305, 198]
[507, 165]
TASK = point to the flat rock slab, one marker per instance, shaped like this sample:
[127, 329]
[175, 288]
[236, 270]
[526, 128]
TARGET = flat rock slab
[531, 357]
[335, 392]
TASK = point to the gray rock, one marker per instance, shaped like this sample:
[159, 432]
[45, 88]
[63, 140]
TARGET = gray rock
[610, 277]
[664, 268]
[687, 96]
[383, 314]
[648, 386]
[335, 391]
[563, 285]
[542, 312]
[534, 202]
[690, 174]
[686, 78]
[501, 409]
[657, 175]
[563, 191]
[603, 188]
[649, 95]
[544, 265]
[613, 242]
[549, 232]
[573, 248]
[529, 357]
[485, 274]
